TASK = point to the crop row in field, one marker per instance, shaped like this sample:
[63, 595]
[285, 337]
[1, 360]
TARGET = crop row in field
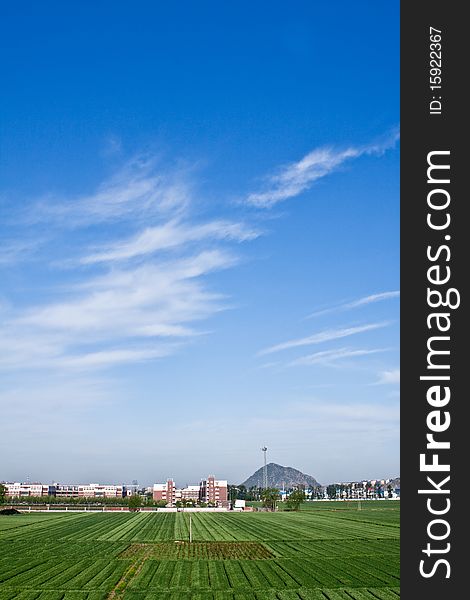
[275, 574]
[279, 526]
[48, 595]
[15, 521]
[30, 524]
[202, 574]
[47, 549]
[95, 526]
[148, 527]
[199, 550]
[99, 574]
[338, 594]
[324, 594]
[336, 548]
[377, 517]
[283, 526]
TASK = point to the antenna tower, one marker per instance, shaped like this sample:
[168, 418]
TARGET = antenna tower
[265, 469]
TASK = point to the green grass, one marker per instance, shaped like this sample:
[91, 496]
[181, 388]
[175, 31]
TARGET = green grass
[317, 553]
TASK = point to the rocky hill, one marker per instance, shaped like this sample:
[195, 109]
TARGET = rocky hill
[279, 476]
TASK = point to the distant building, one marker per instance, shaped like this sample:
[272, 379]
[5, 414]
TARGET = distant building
[67, 491]
[365, 490]
[92, 490]
[96, 490]
[190, 492]
[213, 491]
[24, 490]
[165, 491]
[210, 490]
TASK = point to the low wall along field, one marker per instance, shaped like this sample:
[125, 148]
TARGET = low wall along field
[312, 554]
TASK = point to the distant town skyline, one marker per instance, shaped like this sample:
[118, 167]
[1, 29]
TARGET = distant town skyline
[179, 483]
[149, 484]
[200, 241]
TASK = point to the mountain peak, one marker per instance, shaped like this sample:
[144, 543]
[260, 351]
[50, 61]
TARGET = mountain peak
[279, 476]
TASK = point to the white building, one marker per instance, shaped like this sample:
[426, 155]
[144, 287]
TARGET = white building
[92, 490]
[190, 492]
[96, 490]
[23, 490]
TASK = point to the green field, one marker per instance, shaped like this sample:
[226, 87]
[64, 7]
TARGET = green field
[321, 554]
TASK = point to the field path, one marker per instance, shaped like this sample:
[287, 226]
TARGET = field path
[131, 573]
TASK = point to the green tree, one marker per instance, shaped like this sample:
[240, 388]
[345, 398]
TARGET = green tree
[241, 495]
[295, 499]
[378, 490]
[254, 493]
[3, 491]
[270, 497]
[331, 491]
[232, 492]
[135, 501]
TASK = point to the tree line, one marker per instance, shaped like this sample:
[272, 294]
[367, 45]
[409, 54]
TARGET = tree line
[345, 490]
[255, 493]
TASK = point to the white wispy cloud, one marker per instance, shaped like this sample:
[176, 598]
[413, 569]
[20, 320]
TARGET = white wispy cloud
[364, 301]
[389, 377]
[135, 298]
[108, 358]
[140, 310]
[294, 178]
[117, 310]
[328, 357]
[114, 311]
[170, 235]
[374, 298]
[140, 189]
[323, 336]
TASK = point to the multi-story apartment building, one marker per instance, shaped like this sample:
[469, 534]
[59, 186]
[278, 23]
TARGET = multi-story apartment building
[23, 490]
[93, 490]
[213, 491]
[66, 491]
[210, 490]
[165, 491]
[96, 490]
[190, 492]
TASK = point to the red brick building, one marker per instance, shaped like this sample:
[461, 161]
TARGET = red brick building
[213, 491]
[210, 490]
[165, 491]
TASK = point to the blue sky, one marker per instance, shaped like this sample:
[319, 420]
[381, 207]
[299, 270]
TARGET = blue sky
[200, 240]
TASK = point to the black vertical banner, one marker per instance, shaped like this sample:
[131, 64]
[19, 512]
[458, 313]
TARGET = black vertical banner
[435, 252]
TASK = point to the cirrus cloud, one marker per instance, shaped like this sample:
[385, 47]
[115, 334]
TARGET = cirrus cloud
[297, 177]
